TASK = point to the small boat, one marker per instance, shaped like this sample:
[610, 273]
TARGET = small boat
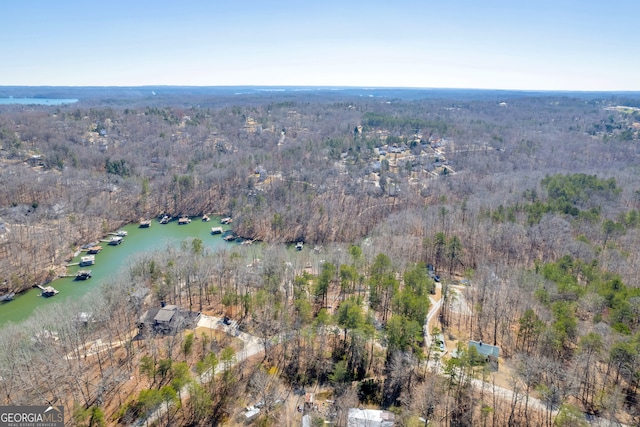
[145, 223]
[205, 218]
[122, 233]
[48, 291]
[83, 274]
[216, 230]
[184, 220]
[299, 246]
[8, 297]
[229, 238]
[87, 260]
[227, 220]
[165, 219]
[115, 240]
[94, 250]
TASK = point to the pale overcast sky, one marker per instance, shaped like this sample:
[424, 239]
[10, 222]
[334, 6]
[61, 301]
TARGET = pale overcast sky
[494, 44]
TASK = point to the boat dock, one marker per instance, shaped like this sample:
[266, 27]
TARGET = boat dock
[115, 240]
[83, 274]
[48, 291]
[87, 260]
[216, 230]
[145, 223]
[8, 297]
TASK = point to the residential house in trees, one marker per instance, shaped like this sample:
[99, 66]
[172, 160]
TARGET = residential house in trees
[167, 319]
[370, 418]
[490, 352]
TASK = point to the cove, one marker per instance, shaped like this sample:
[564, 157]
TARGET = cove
[112, 261]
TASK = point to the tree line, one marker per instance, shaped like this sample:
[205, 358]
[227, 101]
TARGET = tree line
[540, 218]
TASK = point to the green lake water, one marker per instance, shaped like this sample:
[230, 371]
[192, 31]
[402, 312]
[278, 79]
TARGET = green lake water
[113, 260]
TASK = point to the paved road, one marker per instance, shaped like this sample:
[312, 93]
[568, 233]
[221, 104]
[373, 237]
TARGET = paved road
[435, 309]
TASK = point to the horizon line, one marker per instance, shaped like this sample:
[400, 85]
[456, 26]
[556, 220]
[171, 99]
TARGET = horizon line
[325, 87]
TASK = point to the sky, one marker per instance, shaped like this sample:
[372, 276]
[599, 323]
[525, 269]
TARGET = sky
[569, 45]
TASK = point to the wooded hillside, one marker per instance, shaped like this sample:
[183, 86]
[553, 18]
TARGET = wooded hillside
[528, 211]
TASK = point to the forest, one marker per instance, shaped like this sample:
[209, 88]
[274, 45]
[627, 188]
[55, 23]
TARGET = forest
[429, 224]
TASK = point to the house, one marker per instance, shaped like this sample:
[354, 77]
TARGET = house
[309, 401]
[370, 418]
[165, 314]
[490, 352]
[251, 413]
[485, 349]
[167, 319]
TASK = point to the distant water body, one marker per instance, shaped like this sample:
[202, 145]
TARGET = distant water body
[36, 101]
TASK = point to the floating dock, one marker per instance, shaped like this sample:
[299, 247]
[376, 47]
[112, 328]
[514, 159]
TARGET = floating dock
[114, 241]
[48, 291]
[83, 274]
[87, 260]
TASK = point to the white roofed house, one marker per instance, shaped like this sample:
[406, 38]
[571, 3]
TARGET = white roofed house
[370, 418]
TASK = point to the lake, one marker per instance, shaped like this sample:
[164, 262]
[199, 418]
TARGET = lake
[112, 260]
[36, 101]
